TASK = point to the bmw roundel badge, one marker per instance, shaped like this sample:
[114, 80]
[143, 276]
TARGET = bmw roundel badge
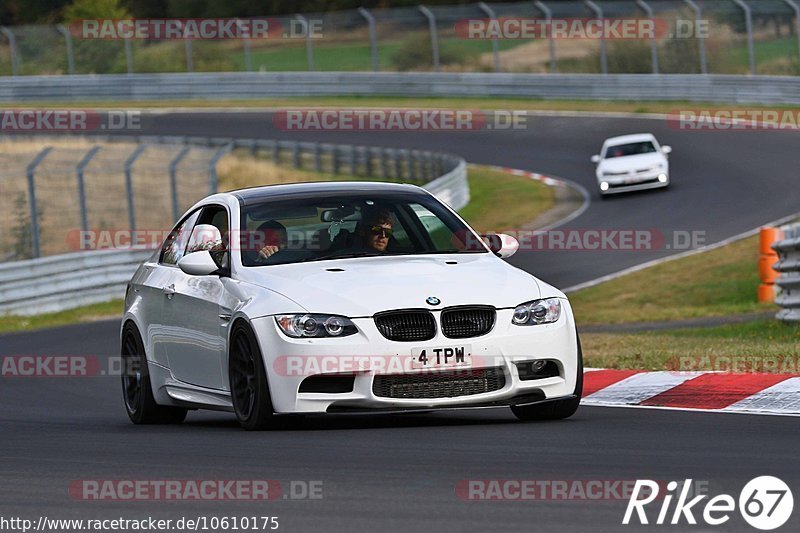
[433, 300]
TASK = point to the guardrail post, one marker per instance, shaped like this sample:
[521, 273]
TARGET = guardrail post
[548, 15]
[128, 55]
[68, 41]
[248, 60]
[653, 43]
[129, 184]
[598, 11]
[187, 44]
[495, 44]
[309, 43]
[173, 180]
[317, 157]
[81, 187]
[213, 181]
[353, 160]
[412, 171]
[434, 35]
[335, 162]
[796, 8]
[12, 48]
[397, 164]
[748, 21]
[368, 168]
[30, 173]
[373, 37]
[701, 40]
[384, 164]
[296, 160]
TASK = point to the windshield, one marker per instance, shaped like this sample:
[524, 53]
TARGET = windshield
[280, 231]
[624, 150]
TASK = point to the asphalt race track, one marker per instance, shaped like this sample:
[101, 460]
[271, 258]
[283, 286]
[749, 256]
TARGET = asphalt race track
[400, 473]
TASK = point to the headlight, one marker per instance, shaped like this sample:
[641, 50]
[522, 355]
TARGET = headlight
[537, 312]
[604, 186]
[308, 325]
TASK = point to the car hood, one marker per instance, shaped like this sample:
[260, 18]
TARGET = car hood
[361, 287]
[634, 162]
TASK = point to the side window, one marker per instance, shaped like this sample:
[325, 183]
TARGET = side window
[175, 244]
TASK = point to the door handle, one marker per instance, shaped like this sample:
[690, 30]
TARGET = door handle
[169, 291]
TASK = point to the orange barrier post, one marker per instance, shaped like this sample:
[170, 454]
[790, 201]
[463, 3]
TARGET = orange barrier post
[767, 258]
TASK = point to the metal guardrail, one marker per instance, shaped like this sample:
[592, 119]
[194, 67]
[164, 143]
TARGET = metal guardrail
[433, 35]
[242, 85]
[788, 266]
[65, 281]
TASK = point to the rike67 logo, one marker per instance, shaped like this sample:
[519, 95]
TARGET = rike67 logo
[765, 503]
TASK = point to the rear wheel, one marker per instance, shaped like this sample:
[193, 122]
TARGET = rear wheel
[248, 381]
[558, 409]
[136, 388]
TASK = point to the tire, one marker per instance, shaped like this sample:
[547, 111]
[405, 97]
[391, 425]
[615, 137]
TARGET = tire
[248, 381]
[556, 410]
[137, 392]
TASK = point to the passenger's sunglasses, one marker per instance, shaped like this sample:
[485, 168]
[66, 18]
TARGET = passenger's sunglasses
[380, 231]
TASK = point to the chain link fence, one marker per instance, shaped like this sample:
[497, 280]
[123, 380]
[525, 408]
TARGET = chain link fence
[704, 36]
[56, 192]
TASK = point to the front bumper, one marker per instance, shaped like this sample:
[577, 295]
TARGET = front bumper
[638, 183]
[368, 354]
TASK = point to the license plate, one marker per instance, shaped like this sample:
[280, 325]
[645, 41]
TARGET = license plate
[445, 357]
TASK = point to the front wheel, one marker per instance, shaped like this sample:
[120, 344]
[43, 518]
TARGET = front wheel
[136, 388]
[558, 409]
[248, 381]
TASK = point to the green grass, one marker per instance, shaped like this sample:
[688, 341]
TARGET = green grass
[763, 346]
[502, 201]
[348, 56]
[88, 313]
[716, 283]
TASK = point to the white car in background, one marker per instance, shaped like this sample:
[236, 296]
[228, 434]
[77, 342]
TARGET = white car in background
[632, 163]
[436, 319]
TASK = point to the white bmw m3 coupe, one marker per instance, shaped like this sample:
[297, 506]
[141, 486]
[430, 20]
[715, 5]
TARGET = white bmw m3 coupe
[341, 297]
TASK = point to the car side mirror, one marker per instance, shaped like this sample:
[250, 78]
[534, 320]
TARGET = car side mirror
[595, 159]
[502, 245]
[666, 150]
[198, 264]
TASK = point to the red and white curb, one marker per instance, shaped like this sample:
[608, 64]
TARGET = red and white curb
[547, 180]
[705, 391]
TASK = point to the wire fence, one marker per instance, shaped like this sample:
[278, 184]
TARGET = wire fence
[703, 36]
[56, 193]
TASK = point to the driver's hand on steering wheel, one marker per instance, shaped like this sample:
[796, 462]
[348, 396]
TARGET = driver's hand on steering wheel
[267, 251]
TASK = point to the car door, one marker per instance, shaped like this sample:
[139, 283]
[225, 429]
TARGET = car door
[157, 276]
[193, 310]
